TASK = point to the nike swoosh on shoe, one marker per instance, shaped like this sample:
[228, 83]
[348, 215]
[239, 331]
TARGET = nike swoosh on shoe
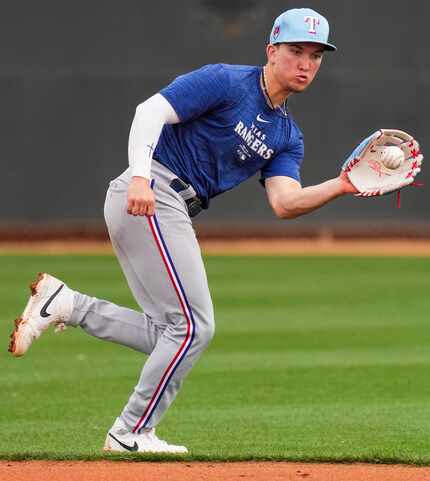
[43, 311]
[125, 446]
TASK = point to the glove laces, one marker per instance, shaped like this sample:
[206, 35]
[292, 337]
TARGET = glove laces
[414, 184]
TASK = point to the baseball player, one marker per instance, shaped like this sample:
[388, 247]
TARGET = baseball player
[203, 134]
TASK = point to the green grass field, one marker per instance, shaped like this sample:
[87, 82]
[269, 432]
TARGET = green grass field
[315, 358]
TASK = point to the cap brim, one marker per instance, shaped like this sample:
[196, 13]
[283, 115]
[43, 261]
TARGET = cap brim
[327, 46]
[330, 47]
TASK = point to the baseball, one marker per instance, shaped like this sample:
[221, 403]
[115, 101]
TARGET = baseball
[393, 157]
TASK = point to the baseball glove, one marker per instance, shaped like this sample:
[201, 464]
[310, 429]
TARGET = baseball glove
[385, 162]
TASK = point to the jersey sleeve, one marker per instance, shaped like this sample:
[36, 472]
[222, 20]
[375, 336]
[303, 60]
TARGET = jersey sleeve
[287, 163]
[197, 92]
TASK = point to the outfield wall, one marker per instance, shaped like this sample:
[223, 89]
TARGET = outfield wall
[72, 73]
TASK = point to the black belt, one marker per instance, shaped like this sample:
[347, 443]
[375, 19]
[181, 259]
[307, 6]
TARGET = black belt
[186, 191]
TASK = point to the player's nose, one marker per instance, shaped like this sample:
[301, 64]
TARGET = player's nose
[304, 63]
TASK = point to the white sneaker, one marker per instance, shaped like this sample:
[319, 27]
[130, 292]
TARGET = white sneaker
[120, 439]
[50, 303]
[153, 444]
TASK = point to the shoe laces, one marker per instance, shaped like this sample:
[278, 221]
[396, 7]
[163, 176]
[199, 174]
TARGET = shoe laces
[151, 436]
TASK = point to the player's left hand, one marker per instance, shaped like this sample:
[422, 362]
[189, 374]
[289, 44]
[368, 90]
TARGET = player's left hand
[347, 186]
[385, 162]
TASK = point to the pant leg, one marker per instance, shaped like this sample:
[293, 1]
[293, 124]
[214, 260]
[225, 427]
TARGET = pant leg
[108, 321]
[161, 259]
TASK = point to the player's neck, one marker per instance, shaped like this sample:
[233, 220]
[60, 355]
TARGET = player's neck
[277, 95]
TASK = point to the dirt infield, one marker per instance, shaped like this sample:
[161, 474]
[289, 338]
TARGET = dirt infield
[362, 247]
[180, 471]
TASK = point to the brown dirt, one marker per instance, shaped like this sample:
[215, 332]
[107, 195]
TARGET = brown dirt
[180, 471]
[379, 247]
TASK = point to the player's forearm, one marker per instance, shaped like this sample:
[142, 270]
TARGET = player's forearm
[145, 131]
[304, 200]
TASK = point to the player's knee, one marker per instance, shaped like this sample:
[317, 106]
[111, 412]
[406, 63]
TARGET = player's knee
[204, 333]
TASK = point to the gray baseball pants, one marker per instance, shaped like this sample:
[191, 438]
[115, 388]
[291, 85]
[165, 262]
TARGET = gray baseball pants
[162, 263]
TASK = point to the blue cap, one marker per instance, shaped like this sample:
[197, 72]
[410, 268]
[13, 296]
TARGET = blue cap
[301, 25]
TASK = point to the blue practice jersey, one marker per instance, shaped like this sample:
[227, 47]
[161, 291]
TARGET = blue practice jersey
[227, 131]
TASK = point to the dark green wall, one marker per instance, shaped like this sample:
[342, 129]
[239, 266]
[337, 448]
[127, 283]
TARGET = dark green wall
[72, 73]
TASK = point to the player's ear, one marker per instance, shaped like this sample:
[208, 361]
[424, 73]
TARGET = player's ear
[271, 52]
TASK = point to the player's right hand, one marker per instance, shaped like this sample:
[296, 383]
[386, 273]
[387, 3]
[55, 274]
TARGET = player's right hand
[141, 198]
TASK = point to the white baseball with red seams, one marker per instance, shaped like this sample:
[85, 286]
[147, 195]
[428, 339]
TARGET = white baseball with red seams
[392, 157]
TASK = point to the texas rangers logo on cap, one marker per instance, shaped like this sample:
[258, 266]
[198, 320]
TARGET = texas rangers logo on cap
[313, 22]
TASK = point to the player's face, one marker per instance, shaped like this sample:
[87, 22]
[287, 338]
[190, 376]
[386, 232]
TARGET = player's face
[295, 64]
